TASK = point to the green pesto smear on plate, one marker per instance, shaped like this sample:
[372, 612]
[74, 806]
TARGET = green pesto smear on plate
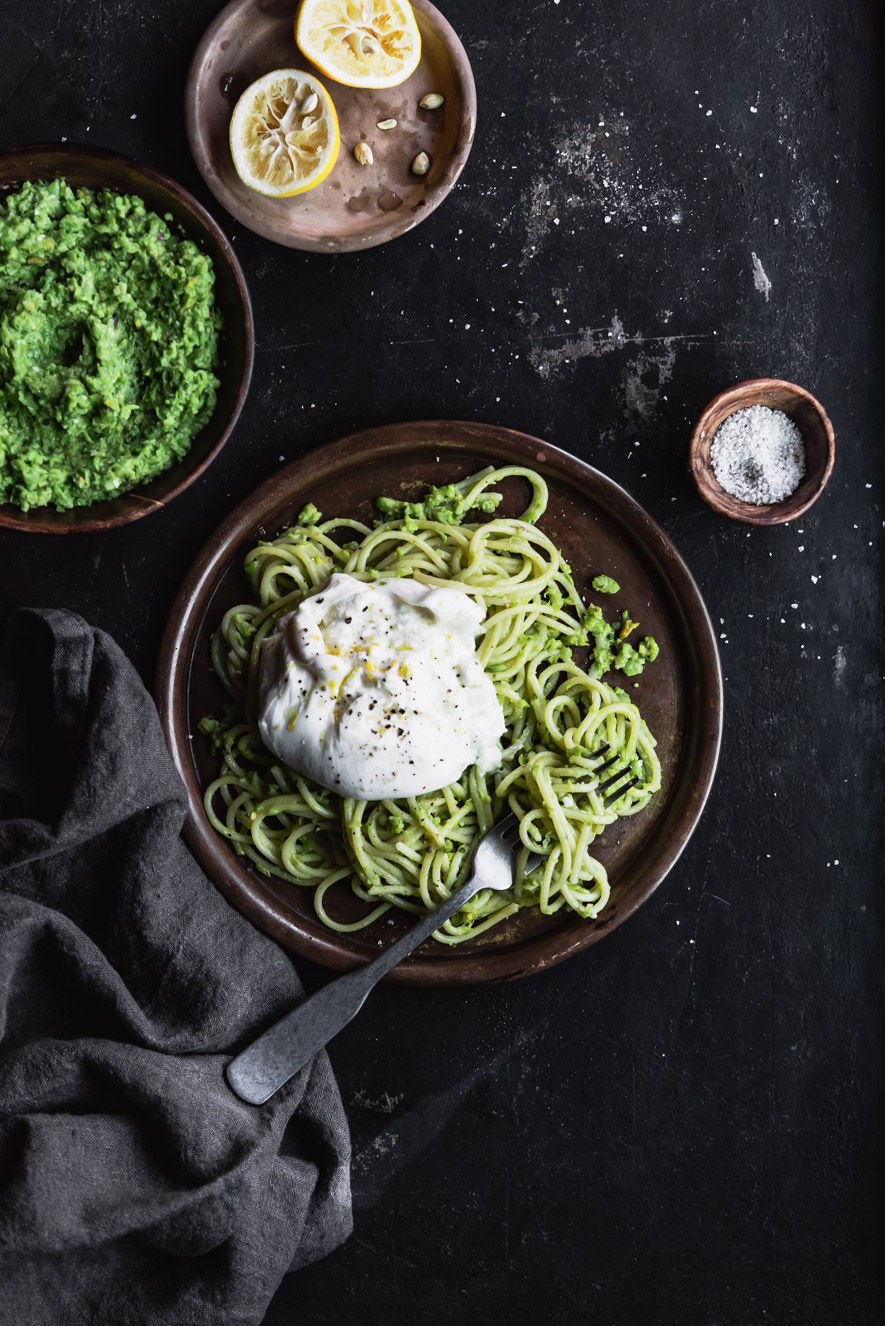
[108, 345]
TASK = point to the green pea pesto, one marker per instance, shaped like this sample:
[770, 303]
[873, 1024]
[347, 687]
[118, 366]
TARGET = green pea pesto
[605, 585]
[309, 515]
[446, 505]
[611, 649]
[108, 345]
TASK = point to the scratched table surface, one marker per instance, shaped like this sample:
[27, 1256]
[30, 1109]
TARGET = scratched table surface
[681, 1125]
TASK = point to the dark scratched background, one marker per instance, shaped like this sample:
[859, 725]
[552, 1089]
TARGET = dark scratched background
[680, 1127]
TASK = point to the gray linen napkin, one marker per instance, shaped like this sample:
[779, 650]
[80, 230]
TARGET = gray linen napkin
[134, 1186]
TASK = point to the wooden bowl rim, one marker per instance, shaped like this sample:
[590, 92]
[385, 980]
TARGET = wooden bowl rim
[777, 513]
[10, 516]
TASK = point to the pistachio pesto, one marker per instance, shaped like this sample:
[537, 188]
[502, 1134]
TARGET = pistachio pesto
[108, 344]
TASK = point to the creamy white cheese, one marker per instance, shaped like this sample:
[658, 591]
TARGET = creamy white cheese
[375, 689]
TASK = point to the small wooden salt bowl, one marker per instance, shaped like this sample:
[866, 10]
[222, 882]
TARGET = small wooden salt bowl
[809, 417]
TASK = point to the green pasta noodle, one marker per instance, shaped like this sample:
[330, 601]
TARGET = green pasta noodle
[413, 853]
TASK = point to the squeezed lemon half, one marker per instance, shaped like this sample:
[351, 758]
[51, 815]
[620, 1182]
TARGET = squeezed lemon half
[363, 43]
[284, 134]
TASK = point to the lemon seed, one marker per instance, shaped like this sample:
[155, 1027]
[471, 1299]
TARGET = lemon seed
[363, 154]
[421, 164]
[387, 124]
[432, 101]
[308, 103]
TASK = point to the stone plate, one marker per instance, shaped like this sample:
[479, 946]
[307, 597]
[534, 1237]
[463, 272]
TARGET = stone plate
[599, 528]
[356, 207]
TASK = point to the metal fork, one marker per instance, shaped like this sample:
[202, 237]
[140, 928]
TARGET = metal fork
[278, 1053]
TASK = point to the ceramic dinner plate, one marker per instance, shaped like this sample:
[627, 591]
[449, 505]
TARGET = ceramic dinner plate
[358, 206]
[599, 528]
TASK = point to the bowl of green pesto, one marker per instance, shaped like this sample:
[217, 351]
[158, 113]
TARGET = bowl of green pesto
[126, 341]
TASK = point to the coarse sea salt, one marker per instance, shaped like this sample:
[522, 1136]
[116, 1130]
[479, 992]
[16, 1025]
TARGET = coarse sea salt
[758, 455]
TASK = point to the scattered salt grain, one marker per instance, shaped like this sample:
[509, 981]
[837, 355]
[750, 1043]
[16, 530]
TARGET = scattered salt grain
[758, 455]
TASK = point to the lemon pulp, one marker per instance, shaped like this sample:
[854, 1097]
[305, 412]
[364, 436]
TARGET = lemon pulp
[363, 43]
[278, 148]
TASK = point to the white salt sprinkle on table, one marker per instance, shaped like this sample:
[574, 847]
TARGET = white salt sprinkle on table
[758, 455]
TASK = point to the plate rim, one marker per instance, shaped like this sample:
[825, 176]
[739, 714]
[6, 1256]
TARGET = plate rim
[240, 885]
[433, 198]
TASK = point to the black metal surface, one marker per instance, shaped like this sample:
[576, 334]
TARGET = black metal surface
[682, 1125]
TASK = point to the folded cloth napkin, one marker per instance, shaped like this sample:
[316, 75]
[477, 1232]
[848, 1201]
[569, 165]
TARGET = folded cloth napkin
[134, 1186]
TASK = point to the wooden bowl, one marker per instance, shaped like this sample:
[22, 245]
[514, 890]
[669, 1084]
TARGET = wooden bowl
[94, 168]
[357, 207]
[817, 433]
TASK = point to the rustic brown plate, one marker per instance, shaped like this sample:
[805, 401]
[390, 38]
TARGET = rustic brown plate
[94, 168]
[599, 528]
[358, 206]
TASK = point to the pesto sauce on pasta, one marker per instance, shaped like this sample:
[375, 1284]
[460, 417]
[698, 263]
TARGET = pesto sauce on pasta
[413, 853]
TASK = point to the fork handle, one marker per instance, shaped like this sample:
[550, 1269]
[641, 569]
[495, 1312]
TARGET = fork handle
[278, 1053]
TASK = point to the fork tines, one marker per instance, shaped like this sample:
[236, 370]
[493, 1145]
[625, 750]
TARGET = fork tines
[618, 792]
[605, 764]
[615, 777]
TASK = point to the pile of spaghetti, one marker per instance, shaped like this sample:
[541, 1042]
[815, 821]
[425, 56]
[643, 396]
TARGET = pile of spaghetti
[413, 853]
